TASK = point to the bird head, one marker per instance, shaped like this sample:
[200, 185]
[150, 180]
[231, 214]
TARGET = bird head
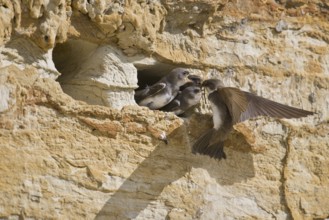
[196, 89]
[196, 80]
[193, 90]
[179, 76]
[212, 84]
[192, 94]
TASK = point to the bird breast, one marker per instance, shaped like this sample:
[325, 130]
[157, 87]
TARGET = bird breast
[218, 116]
[162, 100]
[159, 100]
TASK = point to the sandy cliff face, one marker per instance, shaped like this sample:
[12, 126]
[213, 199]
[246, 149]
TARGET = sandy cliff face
[74, 145]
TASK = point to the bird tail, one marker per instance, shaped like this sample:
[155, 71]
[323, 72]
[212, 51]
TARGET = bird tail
[202, 146]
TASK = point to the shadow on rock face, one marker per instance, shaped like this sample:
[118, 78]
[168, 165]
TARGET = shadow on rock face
[238, 166]
[166, 164]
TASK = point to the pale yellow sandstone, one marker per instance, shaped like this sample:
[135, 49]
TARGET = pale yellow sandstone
[74, 144]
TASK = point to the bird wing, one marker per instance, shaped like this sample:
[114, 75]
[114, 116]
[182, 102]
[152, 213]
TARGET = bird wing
[140, 94]
[150, 90]
[235, 100]
[244, 105]
[261, 106]
[172, 106]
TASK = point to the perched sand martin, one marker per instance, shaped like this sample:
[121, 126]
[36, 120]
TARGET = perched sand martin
[186, 99]
[188, 96]
[162, 92]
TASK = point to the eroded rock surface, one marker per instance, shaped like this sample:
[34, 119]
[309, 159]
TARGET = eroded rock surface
[74, 145]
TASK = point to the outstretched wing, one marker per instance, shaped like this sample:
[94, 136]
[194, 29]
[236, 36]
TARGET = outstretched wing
[244, 105]
[261, 106]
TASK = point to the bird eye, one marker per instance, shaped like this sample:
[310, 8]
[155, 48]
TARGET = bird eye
[186, 73]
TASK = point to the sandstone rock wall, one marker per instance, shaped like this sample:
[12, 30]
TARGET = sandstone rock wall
[74, 145]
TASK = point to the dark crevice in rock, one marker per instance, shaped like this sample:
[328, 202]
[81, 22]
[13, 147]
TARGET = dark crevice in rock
[283, 198]
[148, 75]
[67, 57]
[98, 74]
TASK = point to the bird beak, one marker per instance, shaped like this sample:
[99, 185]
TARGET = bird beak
[186, 76]
[195, 79]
